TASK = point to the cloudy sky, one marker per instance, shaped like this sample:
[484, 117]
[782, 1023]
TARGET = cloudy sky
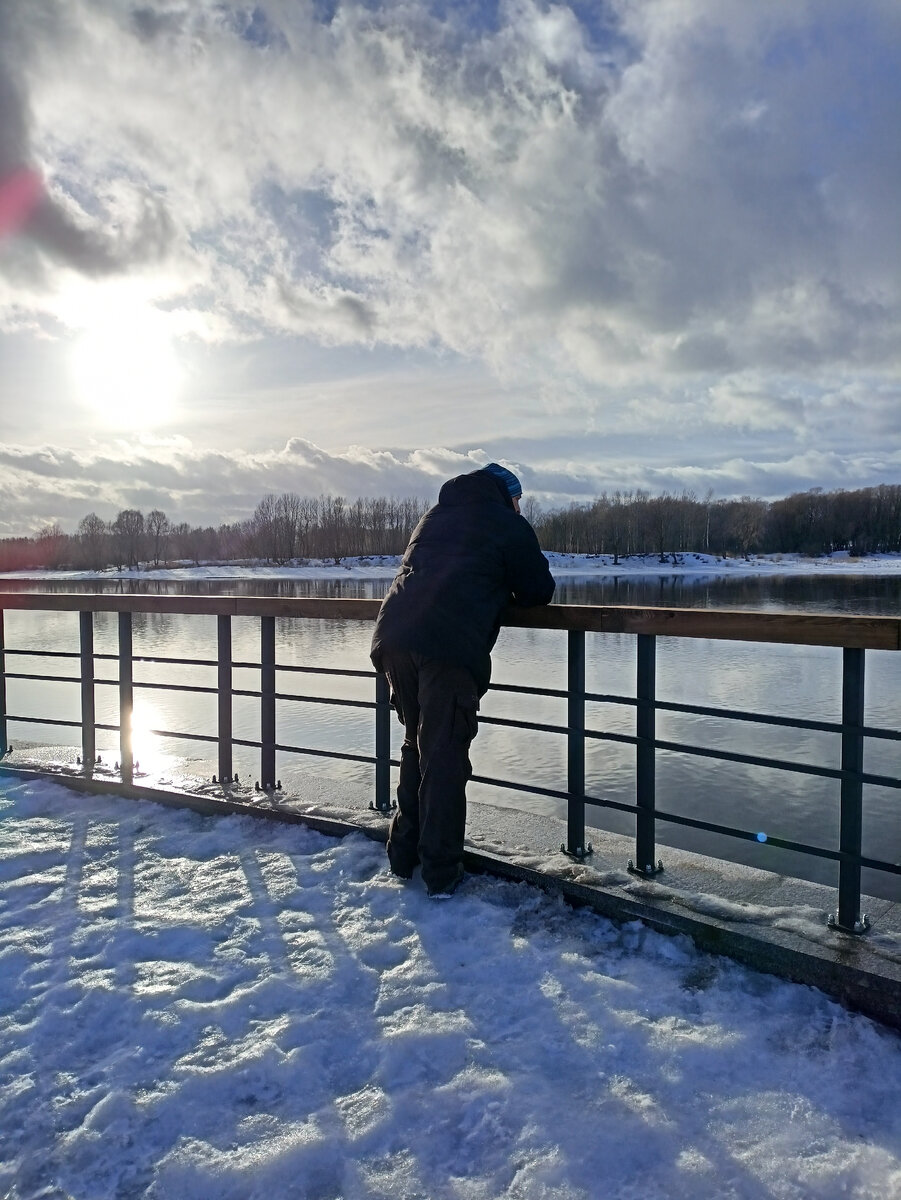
[332, 245]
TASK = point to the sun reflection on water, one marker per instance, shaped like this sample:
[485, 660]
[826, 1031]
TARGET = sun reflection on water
[147, 747]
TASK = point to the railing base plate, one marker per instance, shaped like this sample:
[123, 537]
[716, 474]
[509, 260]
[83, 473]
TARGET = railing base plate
[579, 854]
[384, 809]
[861, 926]
[645, 872]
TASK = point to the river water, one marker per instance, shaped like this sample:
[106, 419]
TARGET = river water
[781, 680]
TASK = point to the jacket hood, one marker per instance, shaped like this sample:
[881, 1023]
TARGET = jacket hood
[477, 487]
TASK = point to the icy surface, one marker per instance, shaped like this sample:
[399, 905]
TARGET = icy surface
[563, 566]
[218, 1007]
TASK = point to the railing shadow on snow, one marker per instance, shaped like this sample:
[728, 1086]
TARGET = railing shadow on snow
[853, 636]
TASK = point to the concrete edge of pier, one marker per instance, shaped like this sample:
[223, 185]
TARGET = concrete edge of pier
[770, 922]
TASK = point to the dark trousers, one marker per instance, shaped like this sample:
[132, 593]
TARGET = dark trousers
[437, 704]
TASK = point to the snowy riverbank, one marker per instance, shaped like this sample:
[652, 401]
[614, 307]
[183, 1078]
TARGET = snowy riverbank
[197, 1007]
[563, 566]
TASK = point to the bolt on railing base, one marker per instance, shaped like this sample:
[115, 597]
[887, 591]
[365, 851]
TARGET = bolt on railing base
[860, 926]
[579, 854]
[645, 872]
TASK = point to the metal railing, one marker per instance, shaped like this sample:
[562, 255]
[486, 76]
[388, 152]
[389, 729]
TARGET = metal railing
[852, 635]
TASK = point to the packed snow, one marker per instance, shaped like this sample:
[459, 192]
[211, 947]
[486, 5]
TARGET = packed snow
[563, 566]
[196, 1007]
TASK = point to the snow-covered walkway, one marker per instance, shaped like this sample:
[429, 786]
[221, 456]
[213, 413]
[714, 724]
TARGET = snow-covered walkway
[220, 1007]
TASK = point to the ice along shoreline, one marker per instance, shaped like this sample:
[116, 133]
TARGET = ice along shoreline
[564, 566]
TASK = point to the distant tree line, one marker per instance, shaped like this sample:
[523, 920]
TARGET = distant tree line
[290, 528]
[283, 529]
[815, 522]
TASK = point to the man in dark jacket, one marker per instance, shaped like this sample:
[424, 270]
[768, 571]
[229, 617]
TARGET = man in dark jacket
[469, 558]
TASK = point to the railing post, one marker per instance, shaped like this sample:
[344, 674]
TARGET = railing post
[126, 697]
[4, 744]
[382, 745]
[88, 718]
[645, 776]
[575, 845]
[851, 816]
[267, 703]
[225, 698]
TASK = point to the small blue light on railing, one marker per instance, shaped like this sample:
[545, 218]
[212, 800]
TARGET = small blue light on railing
[761, 837]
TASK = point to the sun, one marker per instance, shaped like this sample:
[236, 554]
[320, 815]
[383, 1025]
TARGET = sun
[125, 368]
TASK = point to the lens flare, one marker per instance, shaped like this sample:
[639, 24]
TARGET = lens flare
[20, 192]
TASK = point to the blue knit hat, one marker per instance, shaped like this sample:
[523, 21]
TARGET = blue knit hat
[507, 478]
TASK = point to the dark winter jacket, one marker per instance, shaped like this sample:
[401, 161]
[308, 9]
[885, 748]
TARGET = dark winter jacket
[469, 558]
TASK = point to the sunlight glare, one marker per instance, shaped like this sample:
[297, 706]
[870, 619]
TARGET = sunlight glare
[146, 746]
[126, 370]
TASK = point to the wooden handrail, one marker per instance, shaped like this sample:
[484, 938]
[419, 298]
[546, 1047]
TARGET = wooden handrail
[804, 629]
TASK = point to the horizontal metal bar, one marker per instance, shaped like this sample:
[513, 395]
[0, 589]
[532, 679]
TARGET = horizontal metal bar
[701, 710]
[167, 733]
[522, 690]
[747, 836]
[510, 723]
[174, 662]
[531, 788]
[43, 678]
[751, 760]
[361, 758]
[342, 671]
[553, 793]
[599, 735]
[175, 687]
[44, 721]
[880, 780]
[893, 735]
[41, 653]
[873, 864]
[726, 714]
[255, 695]
[602, 698]
[325, 700]
[187, 737]
[778, 764]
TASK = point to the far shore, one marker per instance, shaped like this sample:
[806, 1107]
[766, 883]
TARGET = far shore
[563, 566]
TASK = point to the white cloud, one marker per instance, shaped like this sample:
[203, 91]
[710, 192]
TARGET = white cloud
[670, 217]
[478, 191]
[204, 487]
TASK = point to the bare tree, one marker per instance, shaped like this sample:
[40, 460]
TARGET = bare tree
[748, 521]
[287, 519]
[128, 537]
[93, 542]
[158, 529]
[333, 526]
[53, 546]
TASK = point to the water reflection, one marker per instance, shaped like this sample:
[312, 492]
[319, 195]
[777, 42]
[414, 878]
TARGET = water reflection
[860, 594]
[792, 681]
